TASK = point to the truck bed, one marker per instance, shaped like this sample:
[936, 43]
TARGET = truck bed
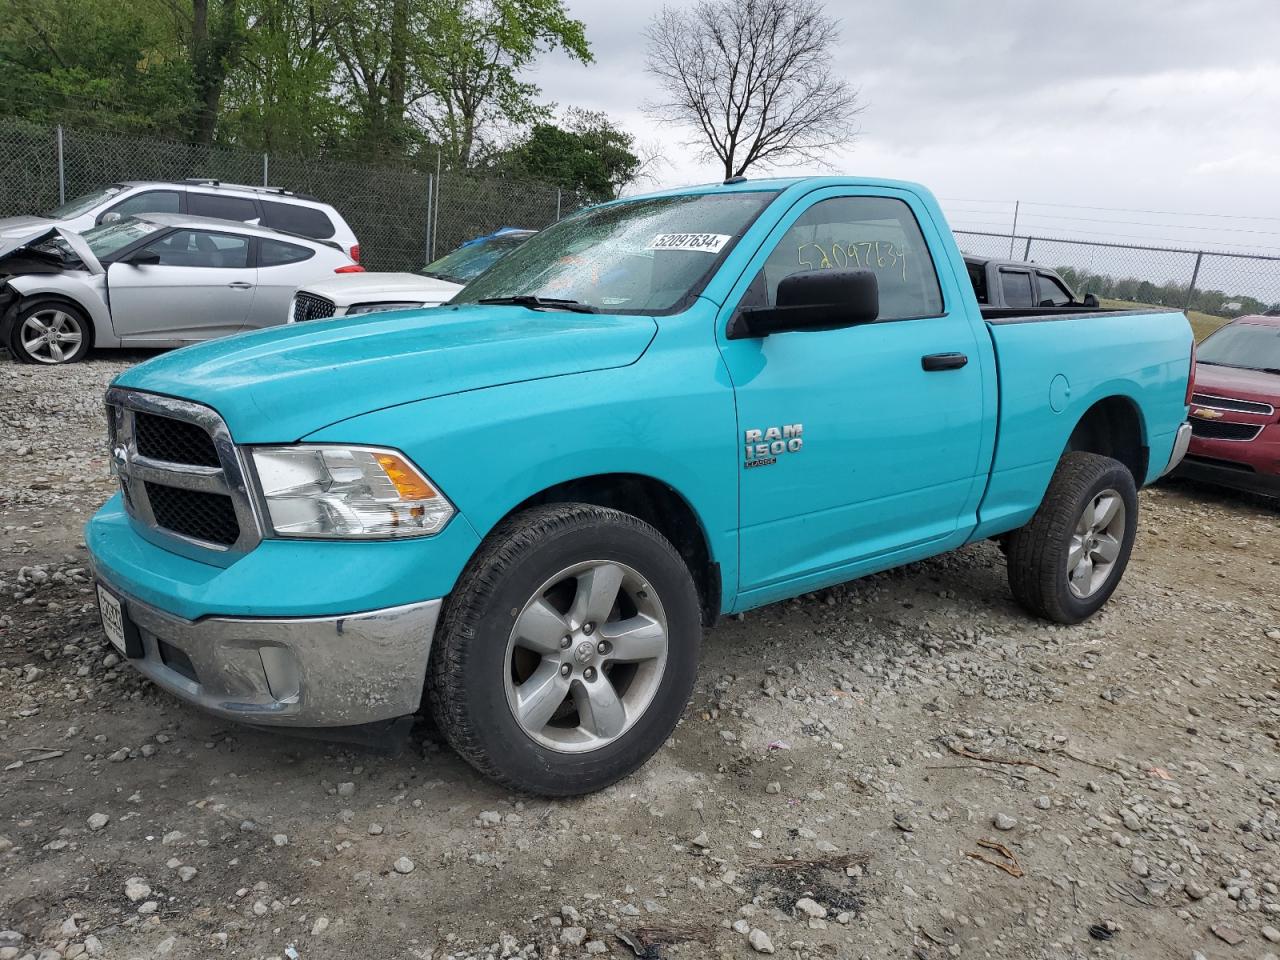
[1034, 314]
[1053, 366]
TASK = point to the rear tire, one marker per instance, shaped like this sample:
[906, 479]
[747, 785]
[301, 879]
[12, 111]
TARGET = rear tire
[50, 332]
[1065, 563]
[567, 651]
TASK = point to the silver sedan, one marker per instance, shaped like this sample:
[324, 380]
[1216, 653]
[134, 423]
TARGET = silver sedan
[157, 280]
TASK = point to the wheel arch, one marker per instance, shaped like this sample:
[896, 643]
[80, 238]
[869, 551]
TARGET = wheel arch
[74, 292]
[656, 503]
[1113, 426]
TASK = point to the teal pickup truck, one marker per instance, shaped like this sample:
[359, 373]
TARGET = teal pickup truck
[522, 508]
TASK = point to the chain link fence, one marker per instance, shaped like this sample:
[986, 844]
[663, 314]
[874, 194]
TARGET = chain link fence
[1212, 287]
[403, 218]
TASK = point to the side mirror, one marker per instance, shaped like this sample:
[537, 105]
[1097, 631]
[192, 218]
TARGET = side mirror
[812, 300]
[1090, 300]
[144, 258]
[110, 217]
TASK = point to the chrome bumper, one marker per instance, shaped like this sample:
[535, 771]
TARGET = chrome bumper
[1180, 444]
[305, 672]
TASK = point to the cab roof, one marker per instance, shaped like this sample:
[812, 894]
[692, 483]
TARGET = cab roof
[784, 185]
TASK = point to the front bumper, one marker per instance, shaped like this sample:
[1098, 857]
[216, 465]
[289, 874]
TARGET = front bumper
[333, 671]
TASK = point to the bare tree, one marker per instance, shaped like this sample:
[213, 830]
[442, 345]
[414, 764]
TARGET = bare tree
[754, 78]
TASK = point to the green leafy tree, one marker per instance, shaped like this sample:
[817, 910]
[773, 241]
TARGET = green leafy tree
[118, 66]
[472, 68]
[587, 153]
[281, 96]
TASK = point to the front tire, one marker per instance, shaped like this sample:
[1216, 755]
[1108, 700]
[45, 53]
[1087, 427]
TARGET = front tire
[1068, 560]
[567, 651]
[50, 332]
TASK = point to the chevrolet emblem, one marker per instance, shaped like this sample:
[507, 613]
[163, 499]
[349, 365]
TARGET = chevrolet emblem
[1204, 413]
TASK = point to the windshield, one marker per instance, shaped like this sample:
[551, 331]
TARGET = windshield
[1252, 346]
[474, 258]
[109, 238]
[85, 203]
[639, 256]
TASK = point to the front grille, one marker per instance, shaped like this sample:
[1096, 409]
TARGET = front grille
[182, 478]
[307, 306]
[174, 441]
[1230, 403]
[1220, 430]
[210, 517]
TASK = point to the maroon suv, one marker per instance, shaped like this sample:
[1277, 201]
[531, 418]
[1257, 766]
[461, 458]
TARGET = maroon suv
[1235, 430]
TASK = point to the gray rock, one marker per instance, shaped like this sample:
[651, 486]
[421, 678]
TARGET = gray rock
[98, 820]
[760, 941]
[1002, 821]
[404, 865]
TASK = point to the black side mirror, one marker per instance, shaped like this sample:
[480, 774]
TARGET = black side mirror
[144, 258]
[1090, 300]
[812, 300]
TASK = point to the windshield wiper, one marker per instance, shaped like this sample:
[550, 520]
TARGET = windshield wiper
[540, 303]
[432, 275]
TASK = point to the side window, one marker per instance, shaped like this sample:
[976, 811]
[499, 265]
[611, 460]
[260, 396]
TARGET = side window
[1016, 285]
[149, 201]
[871, 233]
[276, 253]
[199, 248]
[295, 218]
[1051, 291]
[221, 206]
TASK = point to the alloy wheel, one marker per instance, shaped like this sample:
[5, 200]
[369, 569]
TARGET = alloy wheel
[1096, 543]
[586, 656]
[51, 336]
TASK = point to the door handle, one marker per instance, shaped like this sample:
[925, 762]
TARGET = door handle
[943, 361]
[240, 285]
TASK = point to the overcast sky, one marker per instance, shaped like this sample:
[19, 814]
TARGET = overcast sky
[1155, 105]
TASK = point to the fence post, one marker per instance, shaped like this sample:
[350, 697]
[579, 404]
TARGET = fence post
[1195, 275]
[558, 191]
[266, 168]
[1013, 234]
[62, 170]
[431, 186]
[1026, 251]
[435, 217]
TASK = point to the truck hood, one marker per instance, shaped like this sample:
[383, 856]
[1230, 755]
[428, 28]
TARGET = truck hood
[1238, 383]
[280, 384]
[43, 232]
[349, 288]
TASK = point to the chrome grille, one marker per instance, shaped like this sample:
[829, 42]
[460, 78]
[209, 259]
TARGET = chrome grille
[1230, 403]
[307, 306]
[193, 513]
[182, 476]
[174, 441]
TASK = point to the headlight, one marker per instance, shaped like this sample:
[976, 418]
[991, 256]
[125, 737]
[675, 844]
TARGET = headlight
[347, 492]
[379, 307]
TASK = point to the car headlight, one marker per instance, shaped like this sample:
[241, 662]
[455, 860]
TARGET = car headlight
[380, 307]
[347, 492]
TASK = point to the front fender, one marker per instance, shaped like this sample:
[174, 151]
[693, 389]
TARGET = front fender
[670, 417]
[84, 293]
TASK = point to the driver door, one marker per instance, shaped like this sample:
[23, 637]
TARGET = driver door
[202, 287]
[854, 455]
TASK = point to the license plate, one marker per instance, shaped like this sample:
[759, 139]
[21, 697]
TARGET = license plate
[112, 619]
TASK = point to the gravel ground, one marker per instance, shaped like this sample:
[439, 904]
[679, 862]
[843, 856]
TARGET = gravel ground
[906, 766]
